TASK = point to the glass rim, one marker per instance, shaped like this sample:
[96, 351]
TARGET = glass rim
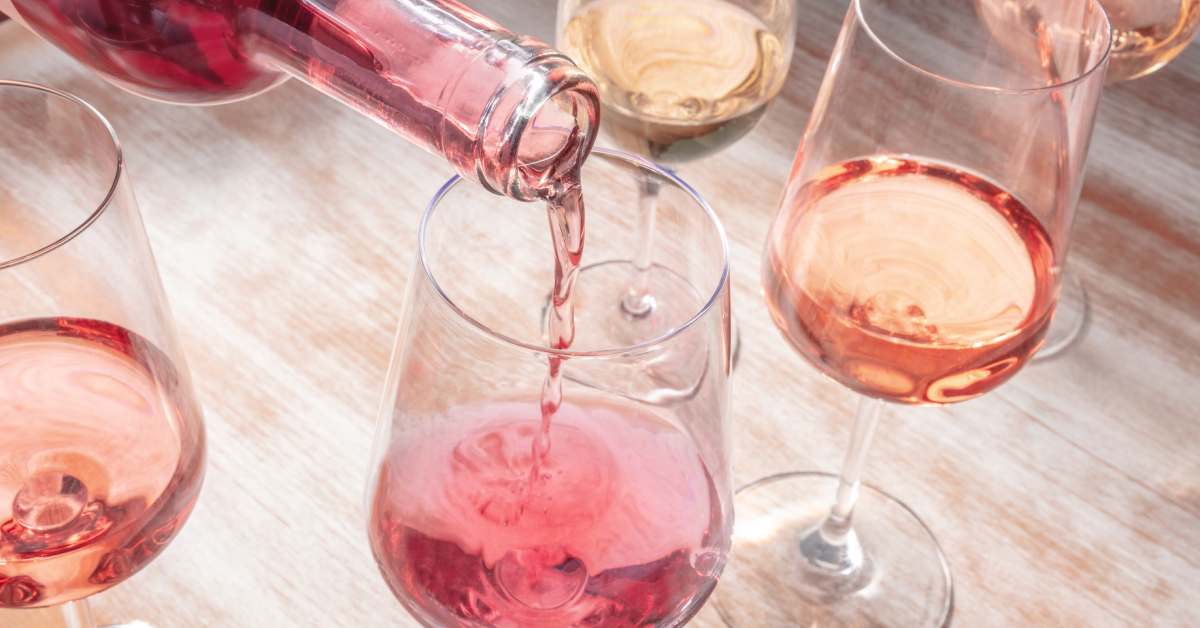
[630, 158]
[118, 170]
[1077, 78]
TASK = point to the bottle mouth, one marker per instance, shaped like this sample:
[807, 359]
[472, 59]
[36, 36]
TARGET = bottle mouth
[547, 134]
[556, 141]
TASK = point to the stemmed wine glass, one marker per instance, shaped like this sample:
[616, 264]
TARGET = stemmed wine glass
[1147, 35]
[915, 259]
[614, 508]
[102, 454]
[679, 80]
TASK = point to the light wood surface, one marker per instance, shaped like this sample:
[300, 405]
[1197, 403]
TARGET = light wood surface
[284, 229]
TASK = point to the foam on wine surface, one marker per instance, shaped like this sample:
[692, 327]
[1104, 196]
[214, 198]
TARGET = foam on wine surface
[623, 529]
[101, 460]
[679, 78]
[908, 280]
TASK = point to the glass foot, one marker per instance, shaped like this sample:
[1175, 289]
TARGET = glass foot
[904, 579]
[1071, 317]
[76, 614]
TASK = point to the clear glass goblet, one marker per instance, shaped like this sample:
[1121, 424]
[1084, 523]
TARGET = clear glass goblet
[916, 258]
[614, 510]
[102, 453]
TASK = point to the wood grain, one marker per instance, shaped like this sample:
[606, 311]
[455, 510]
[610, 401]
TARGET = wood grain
[284, 229]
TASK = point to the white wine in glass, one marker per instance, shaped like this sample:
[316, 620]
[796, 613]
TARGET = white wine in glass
[679, 79]
[1148, 34]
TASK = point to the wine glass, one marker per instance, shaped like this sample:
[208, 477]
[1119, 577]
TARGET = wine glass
[622, 515]
[102, 456]
[915, 259]
[679, 80]
[1148, 34]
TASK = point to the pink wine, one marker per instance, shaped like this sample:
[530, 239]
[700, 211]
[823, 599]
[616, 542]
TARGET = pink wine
[910, 280]
[101, 460]
[565, 211]
[624, 528]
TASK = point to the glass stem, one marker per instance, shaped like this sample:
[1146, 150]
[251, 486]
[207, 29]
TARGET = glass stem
[833, 547]
[77, 614]
[638, 301]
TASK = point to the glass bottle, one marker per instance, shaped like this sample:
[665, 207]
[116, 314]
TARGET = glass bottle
[507, 111]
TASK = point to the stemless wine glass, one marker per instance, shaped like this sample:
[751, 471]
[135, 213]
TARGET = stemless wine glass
[102, 453]
[1148, 34]
[626, 519]
[915, 259]
[679, 80]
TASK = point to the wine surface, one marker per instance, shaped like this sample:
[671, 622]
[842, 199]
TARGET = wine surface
[911, 281]
[101, 459]
[679, 79]
[624, 528]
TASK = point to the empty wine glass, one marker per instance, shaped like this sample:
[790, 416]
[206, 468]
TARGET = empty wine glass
[622, 517]
[915, 259]
[102, 454]
[679, 80]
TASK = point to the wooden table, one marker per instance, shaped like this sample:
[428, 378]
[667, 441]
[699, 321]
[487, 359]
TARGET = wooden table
[284, 228]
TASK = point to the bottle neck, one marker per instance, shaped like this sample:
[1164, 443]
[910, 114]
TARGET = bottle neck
[510, 113]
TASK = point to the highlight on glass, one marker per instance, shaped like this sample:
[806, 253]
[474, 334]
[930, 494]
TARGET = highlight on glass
[916, 259]
[103, 451]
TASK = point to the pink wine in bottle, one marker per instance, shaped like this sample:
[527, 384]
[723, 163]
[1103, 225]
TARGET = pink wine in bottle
[101, 459]
[624, 528]
[434, 71]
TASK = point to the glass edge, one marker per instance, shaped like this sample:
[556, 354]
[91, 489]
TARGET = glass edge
[856, 6]
[722, 282]
[118, 170]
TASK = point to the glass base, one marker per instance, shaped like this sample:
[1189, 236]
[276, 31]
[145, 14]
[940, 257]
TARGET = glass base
[1071, 317]
[904, 579]
[75, 614]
